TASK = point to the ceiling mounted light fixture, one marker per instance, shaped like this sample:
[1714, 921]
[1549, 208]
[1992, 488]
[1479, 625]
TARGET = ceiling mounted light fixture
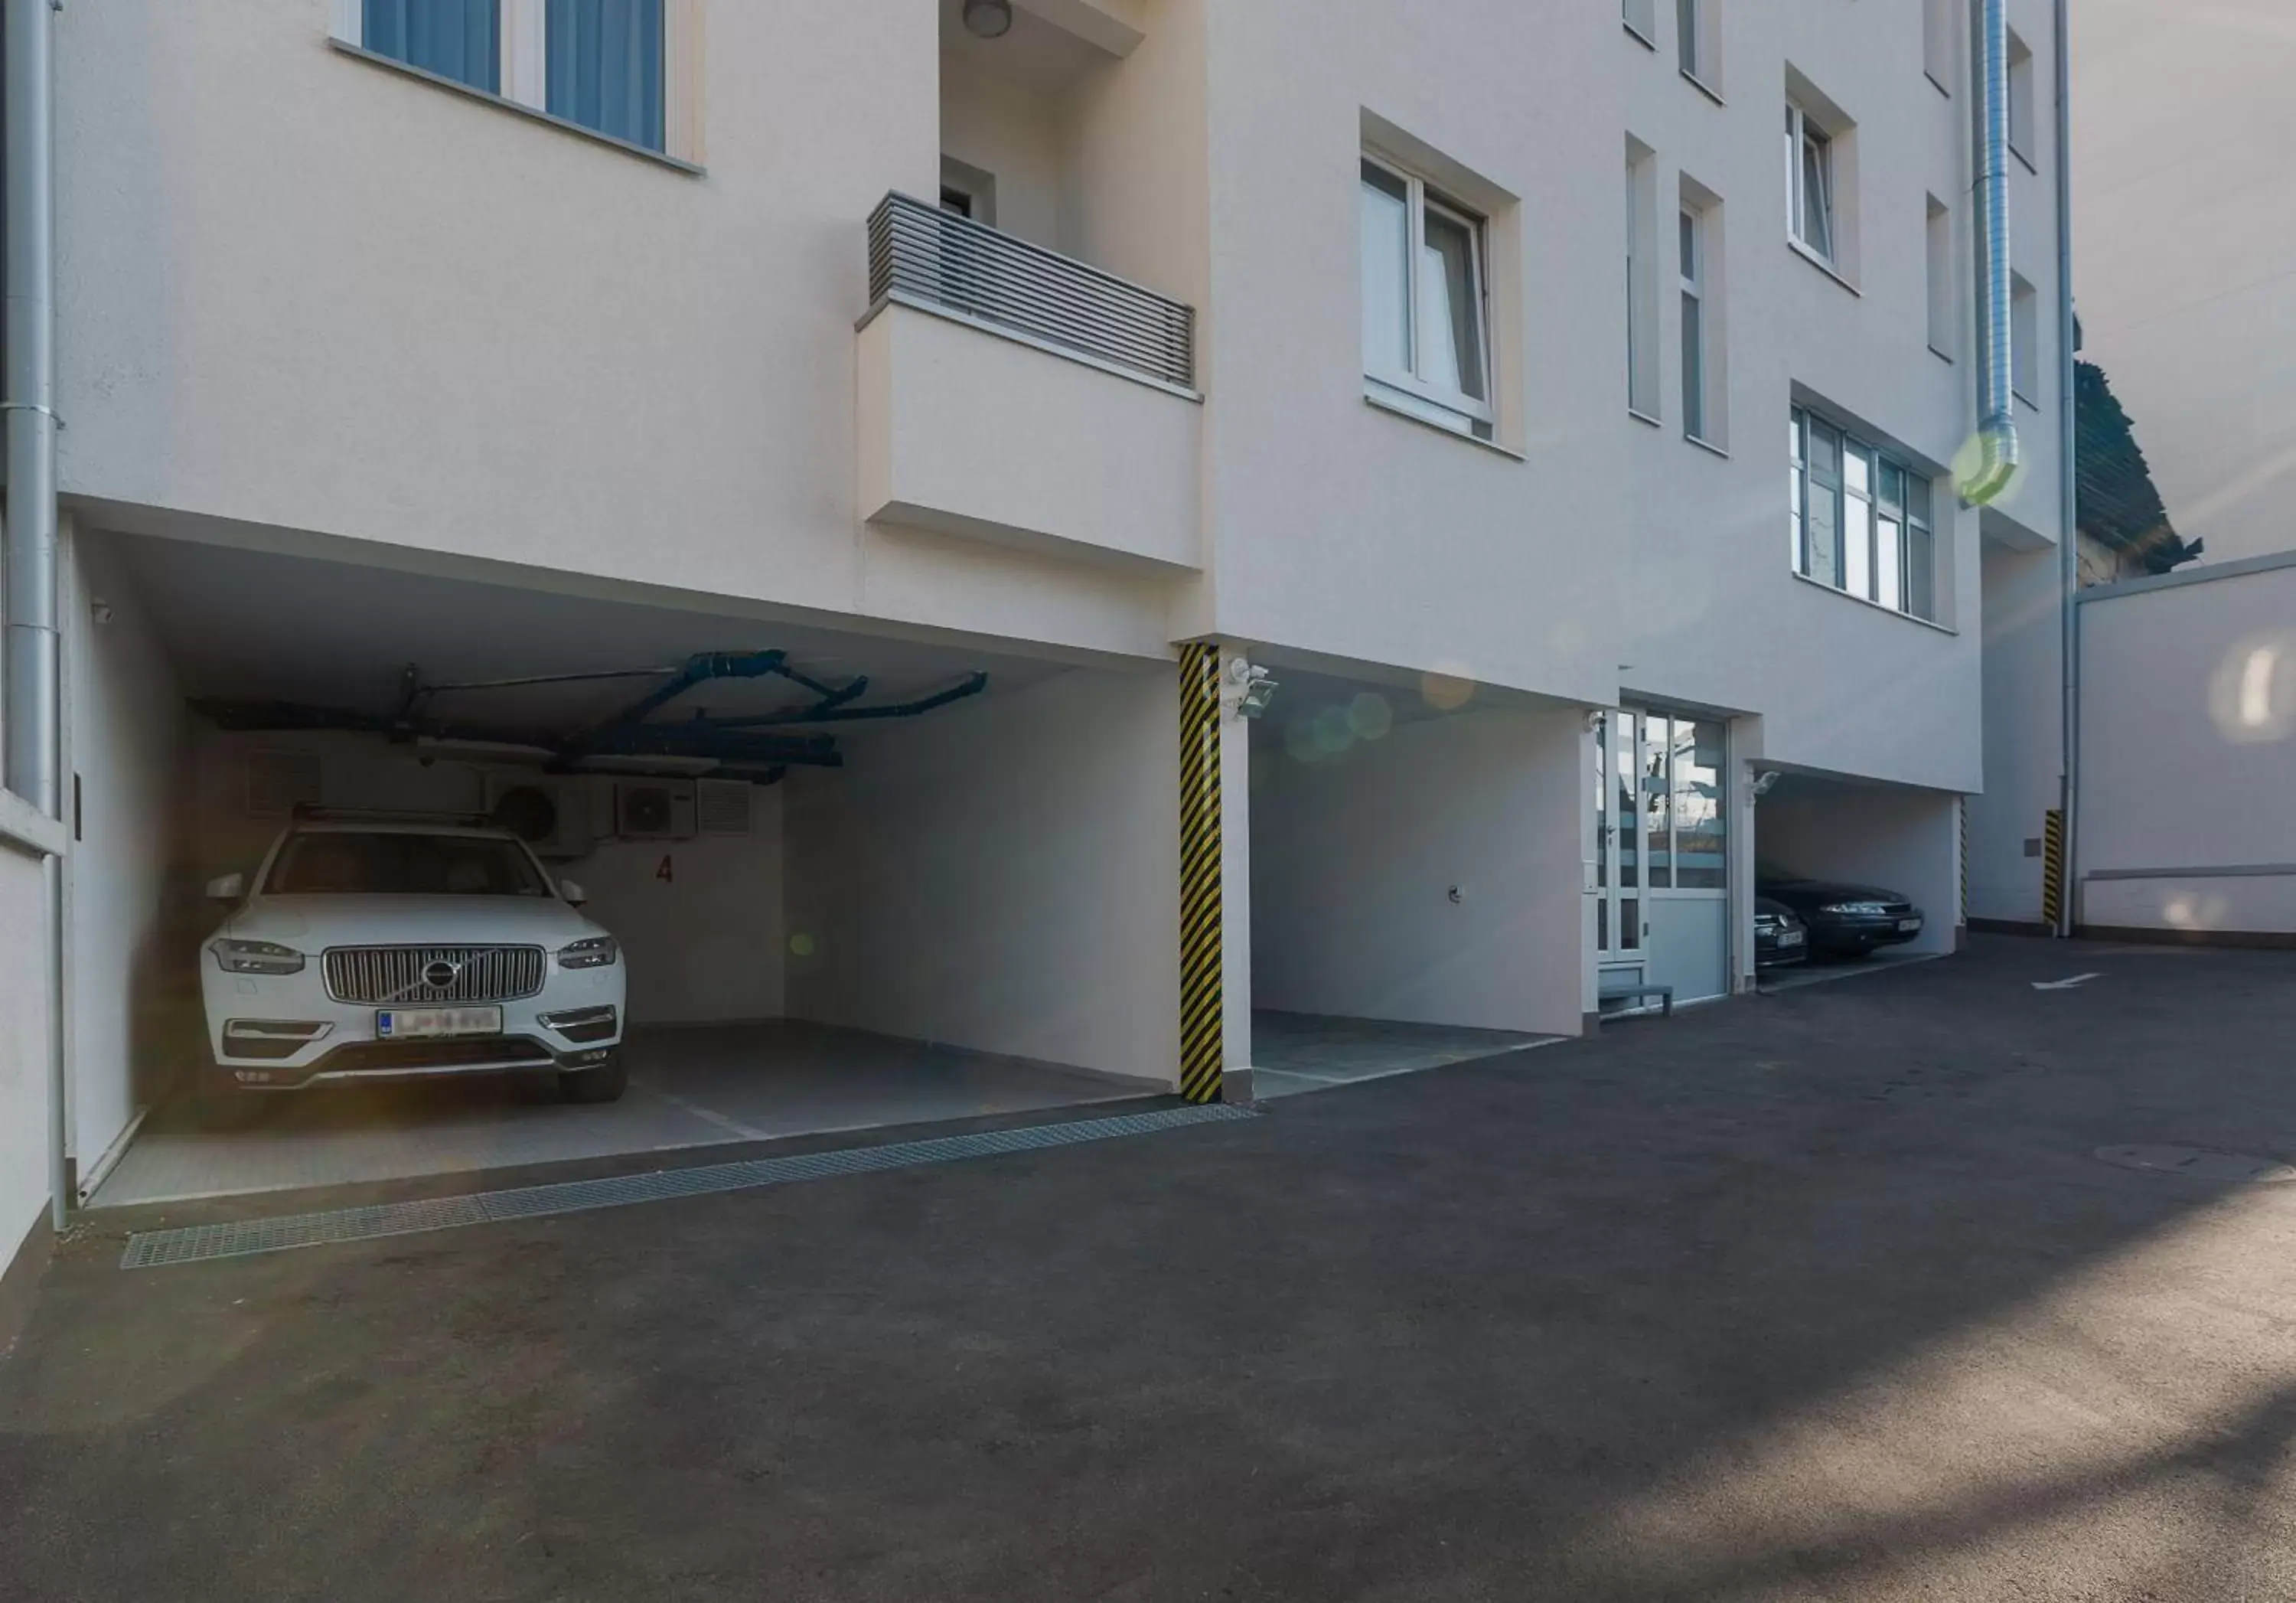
[988, 19]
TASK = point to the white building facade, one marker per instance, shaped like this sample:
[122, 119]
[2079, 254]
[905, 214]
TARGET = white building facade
[1563, 409]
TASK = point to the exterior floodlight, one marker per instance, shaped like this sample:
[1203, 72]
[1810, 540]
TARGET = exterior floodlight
[988, 19]
[1253, 687]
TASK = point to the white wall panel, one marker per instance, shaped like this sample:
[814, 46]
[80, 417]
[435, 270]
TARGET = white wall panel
[1002, 875]
[1354, 859]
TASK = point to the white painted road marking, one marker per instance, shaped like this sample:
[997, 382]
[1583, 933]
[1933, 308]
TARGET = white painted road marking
[2072, 984]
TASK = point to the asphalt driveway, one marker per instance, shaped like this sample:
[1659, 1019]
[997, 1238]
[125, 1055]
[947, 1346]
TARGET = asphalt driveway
[1819, 1296]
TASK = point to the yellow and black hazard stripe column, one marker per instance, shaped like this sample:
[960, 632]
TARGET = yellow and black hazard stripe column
[1961, 828]
[2053, 870]
[1203, 1017]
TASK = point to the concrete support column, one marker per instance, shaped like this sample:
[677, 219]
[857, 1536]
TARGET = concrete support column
[1215, 777]
[1236, 895]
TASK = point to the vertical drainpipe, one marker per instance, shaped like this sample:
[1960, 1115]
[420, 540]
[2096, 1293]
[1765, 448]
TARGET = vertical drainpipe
[2069, 479]
[1997, 451]
[28, 375]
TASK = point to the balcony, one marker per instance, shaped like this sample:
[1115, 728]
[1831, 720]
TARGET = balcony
[1013, 394]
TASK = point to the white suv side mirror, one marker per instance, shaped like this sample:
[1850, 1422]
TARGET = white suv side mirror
[572, 893]
[228, 887]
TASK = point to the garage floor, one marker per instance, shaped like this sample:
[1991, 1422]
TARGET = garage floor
[1296, 1052]
[697, 1086]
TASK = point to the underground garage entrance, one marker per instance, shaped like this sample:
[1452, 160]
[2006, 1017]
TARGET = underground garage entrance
[848, 880]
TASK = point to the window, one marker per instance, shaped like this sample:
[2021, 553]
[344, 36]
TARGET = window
[358, 863]
[2021, 100]
[1683, 826]
[1641, 18]
[1810, 183]
[1692, 251]
[606, 67]
[1861, 519]
[1701, 826]
[968, 191]
[1942, 298]
[2024, 341]
[627, 70]
[1426, 320]
[1692, 40]
[1938, 31]
[1642, 282]
[458, 39]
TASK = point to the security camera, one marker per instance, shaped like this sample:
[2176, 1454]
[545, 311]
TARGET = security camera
[1763, 782]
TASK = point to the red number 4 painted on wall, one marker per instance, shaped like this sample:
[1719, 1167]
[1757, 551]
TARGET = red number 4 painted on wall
[665, 873]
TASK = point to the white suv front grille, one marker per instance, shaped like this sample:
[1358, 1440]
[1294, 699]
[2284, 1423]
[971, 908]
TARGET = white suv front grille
[391, 975]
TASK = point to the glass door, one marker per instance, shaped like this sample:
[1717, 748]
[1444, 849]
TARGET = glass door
[1619, 919]
[1685, 825]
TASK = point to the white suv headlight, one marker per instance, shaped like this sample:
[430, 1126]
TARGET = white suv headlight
[256, 957]
[597, 951]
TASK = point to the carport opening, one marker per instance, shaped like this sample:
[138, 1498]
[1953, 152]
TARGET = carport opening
[1415, 878]
[1873, 870]
[856, 881]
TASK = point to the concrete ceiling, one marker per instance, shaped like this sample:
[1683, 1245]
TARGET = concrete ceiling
[1036, 54]
[248, 625]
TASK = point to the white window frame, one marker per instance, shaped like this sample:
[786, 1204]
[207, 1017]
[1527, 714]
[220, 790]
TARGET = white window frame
[2025, 342]
[1942, 284]
[523, 43]
[1690, 39]
[1436, 403]
[2022, 97]
[1910, 518]
[1801, 129]
[1634, 331]
[1691, 236]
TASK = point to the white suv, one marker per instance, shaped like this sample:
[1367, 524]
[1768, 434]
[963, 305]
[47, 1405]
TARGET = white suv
[375, 949]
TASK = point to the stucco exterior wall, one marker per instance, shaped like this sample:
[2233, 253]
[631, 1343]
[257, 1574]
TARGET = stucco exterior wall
[303, 292]
[1002, 876]
[24, 1025]
[2188, 751]
[1355, 858]
[125, 744]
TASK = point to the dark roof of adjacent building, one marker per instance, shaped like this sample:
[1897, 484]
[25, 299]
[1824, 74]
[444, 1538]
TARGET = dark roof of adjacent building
[2119, 507]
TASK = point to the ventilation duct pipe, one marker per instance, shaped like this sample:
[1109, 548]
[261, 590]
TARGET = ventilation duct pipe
[1997, 451]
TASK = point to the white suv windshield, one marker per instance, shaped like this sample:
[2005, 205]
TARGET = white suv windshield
[345, 862]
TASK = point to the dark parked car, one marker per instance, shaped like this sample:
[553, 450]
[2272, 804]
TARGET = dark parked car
[1847, 921]
[1779, 937]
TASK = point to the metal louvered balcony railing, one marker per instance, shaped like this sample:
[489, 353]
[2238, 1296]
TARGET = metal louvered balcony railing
[921, 253]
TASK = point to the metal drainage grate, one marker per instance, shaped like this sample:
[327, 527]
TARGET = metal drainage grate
[2199, 1163]
[153, 1249]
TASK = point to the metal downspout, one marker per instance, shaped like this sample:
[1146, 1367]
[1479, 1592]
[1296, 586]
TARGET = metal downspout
[1997, 450]
[27, 398]
[2069, 534]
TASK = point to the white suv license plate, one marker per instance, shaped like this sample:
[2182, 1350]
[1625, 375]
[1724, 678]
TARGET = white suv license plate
[433, 1023]
[1907, 927]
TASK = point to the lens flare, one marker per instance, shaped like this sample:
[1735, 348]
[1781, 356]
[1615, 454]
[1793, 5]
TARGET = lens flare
[1447, 687]
[2252, 698]
[1370, 716]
